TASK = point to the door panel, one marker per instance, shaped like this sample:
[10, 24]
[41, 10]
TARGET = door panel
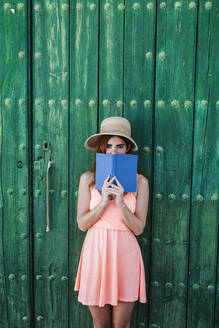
[64, 67]
[50, 131]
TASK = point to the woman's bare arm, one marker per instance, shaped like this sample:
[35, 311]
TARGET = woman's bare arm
[86, 217]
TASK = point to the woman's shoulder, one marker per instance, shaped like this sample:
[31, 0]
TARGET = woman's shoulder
[87, 177]
[142, 182]
[141, 178]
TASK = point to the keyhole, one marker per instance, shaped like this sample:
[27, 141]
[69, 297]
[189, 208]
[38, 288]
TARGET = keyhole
[45, 145]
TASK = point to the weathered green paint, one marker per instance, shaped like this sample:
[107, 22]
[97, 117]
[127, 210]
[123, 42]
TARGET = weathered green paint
[65, 66]
[15, 253]
[205, 176]
[83, 122]
[50, 124]
[174, 91]
[138, 108]
[110, 59]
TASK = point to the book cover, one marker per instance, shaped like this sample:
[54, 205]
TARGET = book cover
[124, 167]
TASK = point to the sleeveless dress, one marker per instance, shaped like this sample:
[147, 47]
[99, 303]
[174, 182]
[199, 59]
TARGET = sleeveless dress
[111, 267]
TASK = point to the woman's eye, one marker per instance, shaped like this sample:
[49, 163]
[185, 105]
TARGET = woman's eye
[108, 146]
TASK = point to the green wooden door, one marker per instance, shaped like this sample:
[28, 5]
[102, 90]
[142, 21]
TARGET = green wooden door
[65, 66]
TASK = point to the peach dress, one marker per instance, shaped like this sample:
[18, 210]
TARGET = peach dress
[111, 267]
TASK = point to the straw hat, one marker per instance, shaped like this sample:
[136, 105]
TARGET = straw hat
[115, 126]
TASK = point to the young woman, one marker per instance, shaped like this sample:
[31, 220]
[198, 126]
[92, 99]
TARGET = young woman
[111, 276]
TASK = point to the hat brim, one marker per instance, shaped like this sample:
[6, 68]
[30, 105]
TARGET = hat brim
[91, 142]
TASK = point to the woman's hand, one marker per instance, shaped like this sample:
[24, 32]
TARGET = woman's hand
[106, 190]
[117, 190]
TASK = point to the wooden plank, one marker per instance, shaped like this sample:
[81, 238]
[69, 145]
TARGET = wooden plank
[83, 122]
[138, 108]
[50, 125]
[111, 58]
[216, 324]
[3, 63]
[205, 186]
[14, 231]
[174, 93]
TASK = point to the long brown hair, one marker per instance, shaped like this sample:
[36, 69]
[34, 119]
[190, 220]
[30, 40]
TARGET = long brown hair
[101, 148]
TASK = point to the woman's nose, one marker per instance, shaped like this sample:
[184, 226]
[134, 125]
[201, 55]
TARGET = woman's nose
[113, 150]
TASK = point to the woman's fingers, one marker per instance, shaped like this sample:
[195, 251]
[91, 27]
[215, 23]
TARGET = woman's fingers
[117, 181]
[115, 189]
[118, 184]
[108, 182]
[106, 179]
[112, 188]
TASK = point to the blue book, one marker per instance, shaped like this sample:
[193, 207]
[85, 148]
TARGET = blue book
[124, 167]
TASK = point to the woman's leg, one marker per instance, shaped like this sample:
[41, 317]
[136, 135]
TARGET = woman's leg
[101, 316]
[121, 314]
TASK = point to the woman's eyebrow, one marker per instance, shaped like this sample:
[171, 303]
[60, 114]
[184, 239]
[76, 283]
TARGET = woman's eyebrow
[116, 145]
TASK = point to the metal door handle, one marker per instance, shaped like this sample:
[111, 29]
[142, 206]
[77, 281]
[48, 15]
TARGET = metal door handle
[47, 191]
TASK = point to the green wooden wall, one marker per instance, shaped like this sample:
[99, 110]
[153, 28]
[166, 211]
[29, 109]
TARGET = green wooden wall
[66, 65]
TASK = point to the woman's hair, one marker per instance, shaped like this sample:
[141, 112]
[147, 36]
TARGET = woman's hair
[101, 148]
